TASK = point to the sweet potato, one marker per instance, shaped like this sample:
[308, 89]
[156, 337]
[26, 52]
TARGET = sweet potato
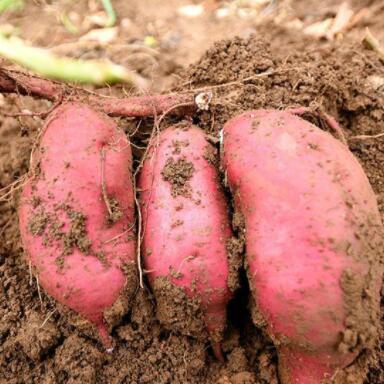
[77, 210]
[313, 238]
[185, 231]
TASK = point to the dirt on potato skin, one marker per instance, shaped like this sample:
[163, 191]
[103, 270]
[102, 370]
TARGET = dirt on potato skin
[177, 173]
[64, 351]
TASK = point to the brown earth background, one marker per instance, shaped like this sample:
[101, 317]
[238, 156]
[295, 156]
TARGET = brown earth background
[278, 59]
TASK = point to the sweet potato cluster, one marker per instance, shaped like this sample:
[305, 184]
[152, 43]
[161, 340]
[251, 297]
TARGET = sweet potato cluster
[309, 222]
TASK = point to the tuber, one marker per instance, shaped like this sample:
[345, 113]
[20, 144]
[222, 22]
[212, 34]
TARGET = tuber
[76, 212]
[185, 233]
[313, 235]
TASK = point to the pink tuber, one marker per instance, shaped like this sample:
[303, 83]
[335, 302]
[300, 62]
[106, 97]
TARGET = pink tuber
[313, 236]
[77, 212]
[185, 230]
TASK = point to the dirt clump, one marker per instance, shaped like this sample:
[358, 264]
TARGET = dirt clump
[77, 234]
[120, 308]
[115, 213]
[38, 222]
[362, 317]
[178, 173]
[77, 360]
[177, 311]
[235, 249]
[37, 336]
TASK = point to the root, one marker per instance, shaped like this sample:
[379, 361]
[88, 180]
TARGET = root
[140, 232]
[30, 274]
[47, 318]
[138, 248]
[103, 186]
[367, 137]
[8, 191]
[136, 129]
[137, 146]
[39, 292]
[120, 234]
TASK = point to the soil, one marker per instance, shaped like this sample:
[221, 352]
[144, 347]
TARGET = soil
[177, 173]
[272, 64]
[176, 311]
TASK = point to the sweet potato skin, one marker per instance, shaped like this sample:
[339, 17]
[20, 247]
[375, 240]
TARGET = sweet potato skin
[83, 161]
[185, 222]
[313, 238]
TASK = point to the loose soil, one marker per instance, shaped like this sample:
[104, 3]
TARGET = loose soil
[277, 67]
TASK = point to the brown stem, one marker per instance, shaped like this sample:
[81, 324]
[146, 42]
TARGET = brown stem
[18, 82]
[142, 106]
[136, 106]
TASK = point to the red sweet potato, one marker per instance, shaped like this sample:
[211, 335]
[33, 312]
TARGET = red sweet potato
[76, 213]
[185, 231]
[313, 237]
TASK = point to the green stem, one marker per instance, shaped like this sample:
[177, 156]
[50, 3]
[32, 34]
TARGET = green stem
[110, 12]
[48, 65]
[69, 26]
[371, 42]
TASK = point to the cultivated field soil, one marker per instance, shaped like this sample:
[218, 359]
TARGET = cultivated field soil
[250, 55]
